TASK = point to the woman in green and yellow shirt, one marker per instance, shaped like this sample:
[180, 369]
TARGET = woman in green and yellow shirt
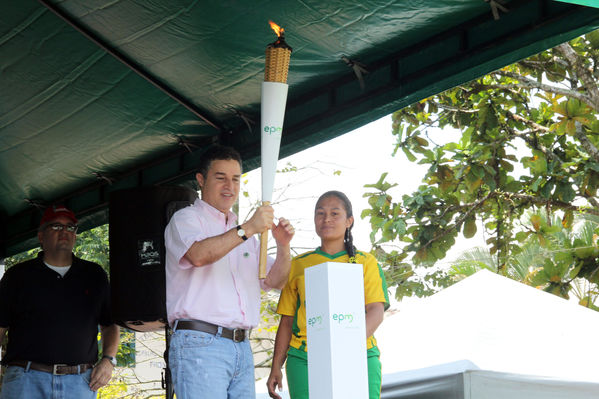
[333, 221]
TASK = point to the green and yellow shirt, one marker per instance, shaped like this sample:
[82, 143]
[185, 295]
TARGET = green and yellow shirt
[293, 297]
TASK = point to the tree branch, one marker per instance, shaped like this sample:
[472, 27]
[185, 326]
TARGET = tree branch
[592, 201]
[533, 142]
[467, 209]
[547, 66]
[543, 65]
[586, 143]
[585, 76]
[529, 83]
[528, 122]
[566, 206]
[458, 109]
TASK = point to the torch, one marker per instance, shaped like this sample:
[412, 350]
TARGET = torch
[274, 98]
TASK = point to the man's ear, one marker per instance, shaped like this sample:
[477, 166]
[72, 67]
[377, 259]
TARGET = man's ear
[200, 180]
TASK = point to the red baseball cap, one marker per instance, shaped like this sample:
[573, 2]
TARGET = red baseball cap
[55, 211]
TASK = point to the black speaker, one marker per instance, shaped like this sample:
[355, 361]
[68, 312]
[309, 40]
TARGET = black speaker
[137, 219]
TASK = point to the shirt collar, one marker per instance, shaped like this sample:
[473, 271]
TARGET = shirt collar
[41, 262]
[229, 216]
[334, 256]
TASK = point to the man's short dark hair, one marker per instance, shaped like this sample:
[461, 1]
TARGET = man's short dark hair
[218, 153]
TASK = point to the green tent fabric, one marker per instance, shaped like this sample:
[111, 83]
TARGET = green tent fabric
[111, 94]
[588, 3]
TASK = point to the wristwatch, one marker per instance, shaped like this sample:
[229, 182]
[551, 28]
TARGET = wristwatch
[241, 233]
[111, 359]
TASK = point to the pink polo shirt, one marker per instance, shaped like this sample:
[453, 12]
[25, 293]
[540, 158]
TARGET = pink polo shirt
[226, 292]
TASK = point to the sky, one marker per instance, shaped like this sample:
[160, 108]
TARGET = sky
[359, 157]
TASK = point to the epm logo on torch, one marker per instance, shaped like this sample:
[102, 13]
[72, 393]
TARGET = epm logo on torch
[273, 130]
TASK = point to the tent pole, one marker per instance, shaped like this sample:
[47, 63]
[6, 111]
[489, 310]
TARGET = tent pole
[203, 115]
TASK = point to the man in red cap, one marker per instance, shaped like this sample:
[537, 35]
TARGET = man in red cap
[51, 307]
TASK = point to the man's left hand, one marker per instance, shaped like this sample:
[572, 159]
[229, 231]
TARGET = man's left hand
[283, 232]
[101, 374]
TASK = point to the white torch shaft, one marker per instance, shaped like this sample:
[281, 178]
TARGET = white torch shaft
[274, 100]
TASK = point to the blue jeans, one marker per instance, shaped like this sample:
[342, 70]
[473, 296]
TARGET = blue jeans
[19, 383]
[206, 366]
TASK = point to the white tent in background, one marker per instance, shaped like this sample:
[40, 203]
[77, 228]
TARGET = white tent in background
[464, 380]
[499, 325]
[489, 337]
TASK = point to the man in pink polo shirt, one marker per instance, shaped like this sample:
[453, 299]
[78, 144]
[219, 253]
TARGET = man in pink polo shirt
[212, 285]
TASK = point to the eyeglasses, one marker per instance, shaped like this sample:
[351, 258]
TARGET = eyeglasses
[71, 228]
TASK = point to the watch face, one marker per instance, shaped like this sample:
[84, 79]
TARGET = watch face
[241, 232]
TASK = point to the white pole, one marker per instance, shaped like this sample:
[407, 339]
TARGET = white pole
[274, 99]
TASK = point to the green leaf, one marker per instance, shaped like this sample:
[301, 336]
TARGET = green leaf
[536, 222]
[421, 141]
[535, 185]
[547, 189]
[400, 226]
[469, 227]
[565, 192]
[521, 236]
[411, 157]
[538, 163]
[381, 185]
[593, 38]
[466, 135]
[568, 219]
[593, 165]
[506, 165]
[478, 171]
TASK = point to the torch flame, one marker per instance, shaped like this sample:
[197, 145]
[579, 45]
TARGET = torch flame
[278, 30]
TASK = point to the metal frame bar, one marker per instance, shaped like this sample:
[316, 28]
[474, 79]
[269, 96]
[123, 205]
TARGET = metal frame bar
[133, 66]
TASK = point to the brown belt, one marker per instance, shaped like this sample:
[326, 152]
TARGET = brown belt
[236, 334]
[56, 369]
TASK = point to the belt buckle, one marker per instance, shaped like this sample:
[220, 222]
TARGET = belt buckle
[238, 335]
[55, 370]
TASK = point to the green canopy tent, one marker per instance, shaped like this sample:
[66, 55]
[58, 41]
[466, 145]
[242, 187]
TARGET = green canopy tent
[589, 3]
[103, 95]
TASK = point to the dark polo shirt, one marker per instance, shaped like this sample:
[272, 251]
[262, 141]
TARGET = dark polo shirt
[53, 319]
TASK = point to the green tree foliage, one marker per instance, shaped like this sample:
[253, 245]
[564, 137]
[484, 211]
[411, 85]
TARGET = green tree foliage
[550, 259]
[21, 257]
[545, 107]
[93, 245]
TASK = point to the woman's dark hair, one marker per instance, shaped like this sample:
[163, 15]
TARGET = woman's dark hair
[217, 153]
[348, 240]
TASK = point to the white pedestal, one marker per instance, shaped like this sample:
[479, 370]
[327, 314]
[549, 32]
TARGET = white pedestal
[336, 329]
